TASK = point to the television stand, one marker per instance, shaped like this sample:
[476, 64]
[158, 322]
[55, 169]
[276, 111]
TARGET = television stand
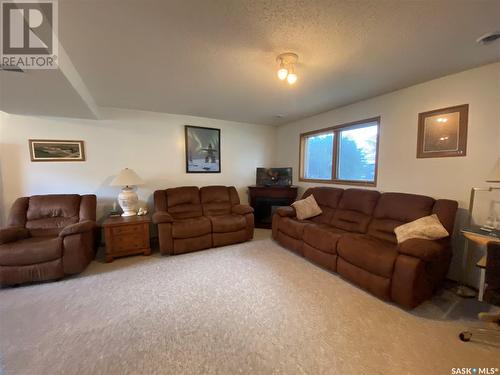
[266, 199]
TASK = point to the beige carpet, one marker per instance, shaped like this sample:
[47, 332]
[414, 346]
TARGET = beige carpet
[253, 308]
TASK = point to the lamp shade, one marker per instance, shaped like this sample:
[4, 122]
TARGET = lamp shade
[494, 175]
[127, 177]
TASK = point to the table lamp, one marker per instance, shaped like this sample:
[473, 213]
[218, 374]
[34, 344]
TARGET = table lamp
[127, 199]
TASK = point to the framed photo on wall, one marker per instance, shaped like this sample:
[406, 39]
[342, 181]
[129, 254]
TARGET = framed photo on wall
[56, 150]
[202, 149]
[443, 132]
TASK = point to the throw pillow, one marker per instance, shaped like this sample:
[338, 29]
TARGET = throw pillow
[427, 228]
[306, 208]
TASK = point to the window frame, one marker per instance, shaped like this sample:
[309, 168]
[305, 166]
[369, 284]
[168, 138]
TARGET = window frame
[336, 130]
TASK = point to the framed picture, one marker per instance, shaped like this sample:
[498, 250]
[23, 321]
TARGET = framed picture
[202, 149]
[56, 150]
[443, 132]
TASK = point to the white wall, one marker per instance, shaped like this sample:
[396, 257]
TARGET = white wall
[399, 169]
[153, 145]
[150, 143]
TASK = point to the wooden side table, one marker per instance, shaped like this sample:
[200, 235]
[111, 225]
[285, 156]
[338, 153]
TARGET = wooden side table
[126, 236]
[481, 238]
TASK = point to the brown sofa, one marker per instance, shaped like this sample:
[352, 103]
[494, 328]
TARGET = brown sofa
[47, 237]
[191, 219]
[354, 236]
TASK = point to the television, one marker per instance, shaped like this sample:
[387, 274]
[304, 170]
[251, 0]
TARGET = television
[274, 176]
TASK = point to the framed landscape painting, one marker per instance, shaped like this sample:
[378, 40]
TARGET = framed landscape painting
[56, 150]
[443, 132]
[202, 149]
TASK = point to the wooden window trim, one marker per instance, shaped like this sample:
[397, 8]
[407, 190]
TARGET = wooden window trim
[336, 131]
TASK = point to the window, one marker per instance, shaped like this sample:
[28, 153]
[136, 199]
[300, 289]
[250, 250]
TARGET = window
[318, 156]
[344, 154]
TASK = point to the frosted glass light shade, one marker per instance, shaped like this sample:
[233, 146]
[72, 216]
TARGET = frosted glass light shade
[127, 177]
[494, 175]
[292, 78]
[282, 73]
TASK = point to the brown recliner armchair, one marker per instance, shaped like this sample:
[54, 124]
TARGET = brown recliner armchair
[191, 219]
[47, 237]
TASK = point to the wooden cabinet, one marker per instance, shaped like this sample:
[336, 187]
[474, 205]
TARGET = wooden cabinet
[126, 236]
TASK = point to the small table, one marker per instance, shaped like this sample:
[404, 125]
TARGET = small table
[126, 236]
[481, 237]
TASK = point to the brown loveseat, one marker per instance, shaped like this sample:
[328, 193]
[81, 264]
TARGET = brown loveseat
[354, 236]
[47, 237]
[192, 219]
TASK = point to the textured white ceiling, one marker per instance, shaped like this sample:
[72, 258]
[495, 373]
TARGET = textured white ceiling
[216, 58]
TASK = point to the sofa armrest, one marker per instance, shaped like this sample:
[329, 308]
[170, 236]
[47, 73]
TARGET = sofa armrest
[242, 209]
[426, 250]
[286, 211]
[81, 227]
[13, 234]
[162, 217]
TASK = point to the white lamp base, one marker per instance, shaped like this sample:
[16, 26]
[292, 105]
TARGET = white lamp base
[128, 201]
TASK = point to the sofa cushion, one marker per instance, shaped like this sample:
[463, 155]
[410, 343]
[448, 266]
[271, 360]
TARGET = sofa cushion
[322, 237]
[218, 200]
[355, 210]
[427, 228]
[52, 206]
[227, 223]
[383, 229]
[185, 211]
[395, 209]
[183, 195]
[293, 227]
[50, 226]
[216, 208]
[306, 208]
[328, 199]
[371, 254]
[30, 251]
[192, 227]
[184, 202]
[215, 193]
[403, 207]
[48, 214]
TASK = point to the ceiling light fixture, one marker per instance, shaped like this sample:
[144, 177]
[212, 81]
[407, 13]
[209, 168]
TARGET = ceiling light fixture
[282, 72]
[286, 69]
